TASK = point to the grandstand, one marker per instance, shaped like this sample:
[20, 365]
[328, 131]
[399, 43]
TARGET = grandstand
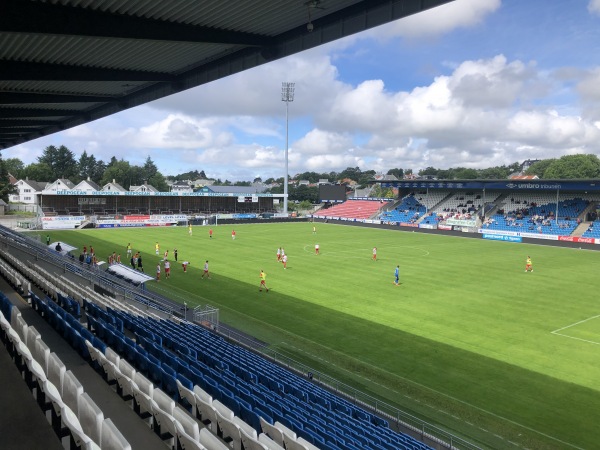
[540, 213]
[184, 382]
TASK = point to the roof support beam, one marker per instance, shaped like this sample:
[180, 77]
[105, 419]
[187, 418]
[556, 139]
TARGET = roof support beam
[21, 70]
[24, 16]
[35, 112]
[18, 98]
[25, 123]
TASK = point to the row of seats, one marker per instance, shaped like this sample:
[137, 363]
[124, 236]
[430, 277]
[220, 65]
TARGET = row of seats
[352, 209]
[409, 209]
[72, 411]
[162, 395]
[16, 280]
[255, 388]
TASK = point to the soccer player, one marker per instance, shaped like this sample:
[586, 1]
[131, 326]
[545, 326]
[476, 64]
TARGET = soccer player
[263, 281]
[233, 234]
[119, 258]
[210, 233]
[397, 275]
[184, 264]
[279, 254]
[158, 272]
[175, 254]
[47, 239]
[166, 255]
[167, 269]
[157, 248]
[206, 270]
[314, 230]
[129, 250]
[316, 249]
[284, 260]
[140, 265]
[190, 229]
[374, 253]
[528, 265]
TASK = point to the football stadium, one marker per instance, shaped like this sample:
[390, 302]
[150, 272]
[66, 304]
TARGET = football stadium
[455, 314]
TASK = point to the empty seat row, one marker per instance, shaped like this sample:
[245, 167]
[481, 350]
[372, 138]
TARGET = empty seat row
[58, 392]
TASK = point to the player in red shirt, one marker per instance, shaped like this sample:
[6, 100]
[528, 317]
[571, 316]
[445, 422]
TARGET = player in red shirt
[374, 253]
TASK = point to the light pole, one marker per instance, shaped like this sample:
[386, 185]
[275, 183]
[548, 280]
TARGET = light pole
[287, 96]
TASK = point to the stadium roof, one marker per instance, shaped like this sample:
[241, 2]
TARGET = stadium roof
[64, 63]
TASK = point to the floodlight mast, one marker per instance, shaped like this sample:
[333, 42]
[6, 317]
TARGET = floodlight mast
[287, 96]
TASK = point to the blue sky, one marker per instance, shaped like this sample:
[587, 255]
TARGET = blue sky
[473, 83]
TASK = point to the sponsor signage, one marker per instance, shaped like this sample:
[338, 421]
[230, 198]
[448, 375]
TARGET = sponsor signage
[428, 226]
[510, 185]
[580, 240]
[151, 194]
[406, 224]
[444, 227]
[140, 221]
[61, 222]
[501, 237]
[462, 222]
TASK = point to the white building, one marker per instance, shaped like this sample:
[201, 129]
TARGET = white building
[27, 191]
[87, 186]
[181, 186]
[59, 185]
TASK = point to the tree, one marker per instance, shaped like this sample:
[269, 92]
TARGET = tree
[6, 188]
[463, 173]
[257, 180]
[398, 173]
[38, 172]
[380, 192]
[15, 167]
[88, 167]
[574, 166]
[120, 171]
[61, 161]
[539, 167]
[429, 171]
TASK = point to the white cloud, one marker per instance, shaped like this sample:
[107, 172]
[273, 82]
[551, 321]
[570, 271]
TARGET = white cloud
[594, 7]
[439, 20]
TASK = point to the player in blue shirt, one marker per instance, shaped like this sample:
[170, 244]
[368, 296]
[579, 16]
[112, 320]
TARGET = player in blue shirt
[397, 275]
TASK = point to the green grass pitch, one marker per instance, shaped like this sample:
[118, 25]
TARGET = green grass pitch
[468, 341]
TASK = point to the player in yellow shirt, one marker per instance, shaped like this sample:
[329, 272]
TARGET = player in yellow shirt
[528, 265]
[263, 281]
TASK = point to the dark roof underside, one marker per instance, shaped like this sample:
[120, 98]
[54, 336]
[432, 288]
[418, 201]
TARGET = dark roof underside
[64, 63]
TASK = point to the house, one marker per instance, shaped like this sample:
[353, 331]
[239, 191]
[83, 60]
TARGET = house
[3, 207]
[61, 184]
[323, 181]
[27, 191]
[181, 186]
[87, 186]
[528, 163]
[143, 188]
[113, 187]
[303, 183]
[202, 182]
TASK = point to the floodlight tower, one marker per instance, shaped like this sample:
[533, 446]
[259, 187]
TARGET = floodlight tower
[287, 96]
